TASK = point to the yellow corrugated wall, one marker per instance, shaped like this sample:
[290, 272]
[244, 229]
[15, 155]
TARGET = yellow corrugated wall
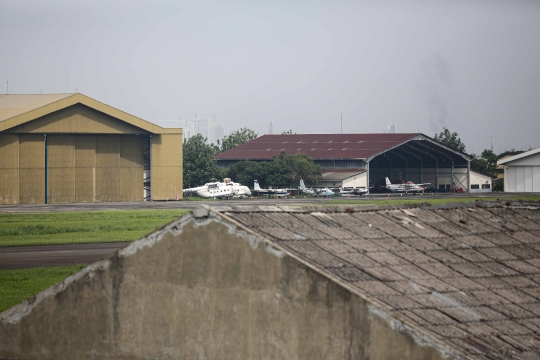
[131, 168]
[61, 168]
[166, 166]
[9, 168]
[85, 168]
[107, 168]
[31, 168]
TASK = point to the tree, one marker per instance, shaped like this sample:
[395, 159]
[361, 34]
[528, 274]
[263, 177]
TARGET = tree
[200, 166]
[237, 138]
[485, 164]
[510, 152]
[283, 171]
[450, 139]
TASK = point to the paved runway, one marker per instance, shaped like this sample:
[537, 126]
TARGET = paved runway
[18, 257]
[149, 205]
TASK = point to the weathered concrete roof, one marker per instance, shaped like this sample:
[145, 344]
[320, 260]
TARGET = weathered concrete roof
[465, 275]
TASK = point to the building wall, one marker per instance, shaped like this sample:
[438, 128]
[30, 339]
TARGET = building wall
[522, 178]
[92, 156]
[201, 288]
[523, 175]
[9, 168]
[483, 182]
[79, 168]
[31, 168]
[166, 165]
[356, 181]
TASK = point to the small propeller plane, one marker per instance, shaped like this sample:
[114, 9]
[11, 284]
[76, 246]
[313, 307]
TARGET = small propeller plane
[408, 187]
[315, 192]
[270, 192]
[353, 191]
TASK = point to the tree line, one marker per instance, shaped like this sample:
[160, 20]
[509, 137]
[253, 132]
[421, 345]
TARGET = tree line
[200, 165]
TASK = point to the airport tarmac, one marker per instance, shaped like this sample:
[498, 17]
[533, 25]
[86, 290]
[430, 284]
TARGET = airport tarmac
[189, 204]
[18, 257]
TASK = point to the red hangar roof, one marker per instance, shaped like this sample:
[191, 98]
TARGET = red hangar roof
[318, 146]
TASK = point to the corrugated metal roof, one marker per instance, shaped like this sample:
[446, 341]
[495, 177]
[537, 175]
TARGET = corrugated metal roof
[466, 275]
[317, 146]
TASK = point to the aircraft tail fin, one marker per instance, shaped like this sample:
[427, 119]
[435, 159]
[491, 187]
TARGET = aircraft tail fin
[388, 181]
[256, 185]
[302, 185]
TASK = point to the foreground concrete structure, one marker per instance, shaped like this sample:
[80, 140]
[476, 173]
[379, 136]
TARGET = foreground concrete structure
[459, 282]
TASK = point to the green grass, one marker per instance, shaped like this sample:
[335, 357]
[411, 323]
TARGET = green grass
[81, 227]
[20, 284]
[409, 199]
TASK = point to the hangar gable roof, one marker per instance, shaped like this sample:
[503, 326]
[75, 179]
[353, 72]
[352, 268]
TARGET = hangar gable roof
[323, 146]
[508, 159]
[465, 275]
[17, 109]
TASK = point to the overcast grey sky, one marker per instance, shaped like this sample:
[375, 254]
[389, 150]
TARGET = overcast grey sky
[472, 66]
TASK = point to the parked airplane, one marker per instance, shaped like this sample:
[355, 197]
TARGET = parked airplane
[270, 192]
[315, 192]
[353, 191]
[226, 189]
[408, 187]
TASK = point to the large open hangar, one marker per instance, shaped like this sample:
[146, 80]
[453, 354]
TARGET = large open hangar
[414, 157]
[64, 148]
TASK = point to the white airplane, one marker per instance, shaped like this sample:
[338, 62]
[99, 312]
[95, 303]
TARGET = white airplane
[270, 192]
[315, 192]
[353, 191]
[408, 187]
[226, 189]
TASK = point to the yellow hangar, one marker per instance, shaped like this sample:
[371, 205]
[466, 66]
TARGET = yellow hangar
[64, 148]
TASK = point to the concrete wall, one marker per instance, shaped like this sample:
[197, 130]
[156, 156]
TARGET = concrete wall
[203, 289]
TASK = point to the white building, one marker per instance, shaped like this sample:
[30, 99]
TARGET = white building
[522, 172]
[480, 183]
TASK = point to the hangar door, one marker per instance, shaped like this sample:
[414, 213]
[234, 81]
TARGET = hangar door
[58, 168]
[87, 168]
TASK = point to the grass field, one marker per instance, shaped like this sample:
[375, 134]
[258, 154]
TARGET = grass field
[81, 227]
[20, 284]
